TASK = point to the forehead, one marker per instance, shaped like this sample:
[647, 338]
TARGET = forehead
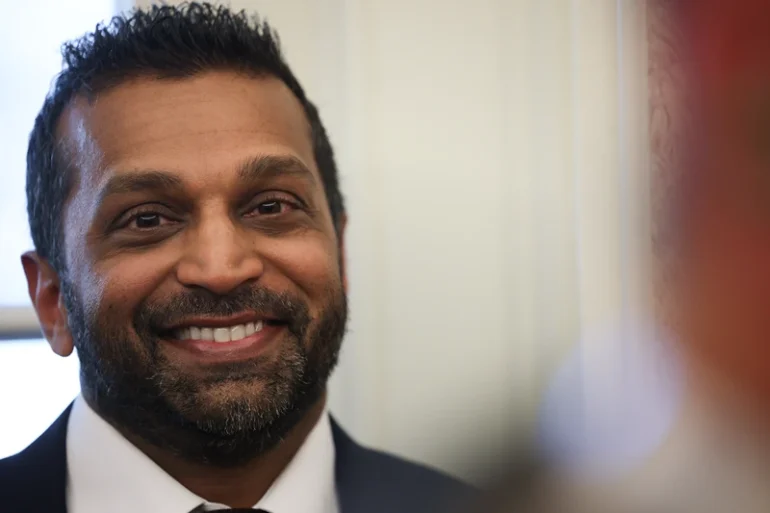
[209, 122]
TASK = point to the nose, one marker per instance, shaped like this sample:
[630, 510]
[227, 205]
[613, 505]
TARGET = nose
[219, 257]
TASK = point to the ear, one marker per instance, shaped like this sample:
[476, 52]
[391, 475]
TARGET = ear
[45, 292]
[341, 225]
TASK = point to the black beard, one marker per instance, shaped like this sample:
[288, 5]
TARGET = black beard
[135, 388]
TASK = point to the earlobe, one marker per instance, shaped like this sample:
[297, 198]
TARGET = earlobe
[45, 292]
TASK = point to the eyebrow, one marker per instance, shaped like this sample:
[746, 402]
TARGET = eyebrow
[258, 168]
[140, 182]
[265, 167]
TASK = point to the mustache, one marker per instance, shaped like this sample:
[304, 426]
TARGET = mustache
[283, 307]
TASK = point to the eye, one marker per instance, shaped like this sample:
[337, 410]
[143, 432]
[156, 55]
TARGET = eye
[146, 220]
[271, 207]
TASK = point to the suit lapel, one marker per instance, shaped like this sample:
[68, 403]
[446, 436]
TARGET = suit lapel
[358, 486]
[345, 473]
[42, 470]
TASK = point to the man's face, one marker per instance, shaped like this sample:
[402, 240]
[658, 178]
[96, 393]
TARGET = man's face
[204, 289]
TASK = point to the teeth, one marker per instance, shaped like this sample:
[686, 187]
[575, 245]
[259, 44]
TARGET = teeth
[222, 335]
[237, 332]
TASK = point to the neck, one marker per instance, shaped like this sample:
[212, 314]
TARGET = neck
[240, 487]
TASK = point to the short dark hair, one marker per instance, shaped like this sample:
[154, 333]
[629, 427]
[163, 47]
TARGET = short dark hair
[161, 41]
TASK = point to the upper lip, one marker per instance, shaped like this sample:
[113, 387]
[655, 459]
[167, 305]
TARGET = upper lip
[221, 322]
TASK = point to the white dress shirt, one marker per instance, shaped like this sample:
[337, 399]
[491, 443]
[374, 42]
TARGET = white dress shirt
[107, 473]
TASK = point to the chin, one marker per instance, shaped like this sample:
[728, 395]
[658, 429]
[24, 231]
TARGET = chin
[220, 397]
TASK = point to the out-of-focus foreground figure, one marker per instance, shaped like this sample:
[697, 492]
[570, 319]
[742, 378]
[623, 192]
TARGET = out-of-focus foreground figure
[710, 134]
[709, 83]
[713, 256]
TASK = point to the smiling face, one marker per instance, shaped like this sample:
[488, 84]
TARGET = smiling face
[204, 288]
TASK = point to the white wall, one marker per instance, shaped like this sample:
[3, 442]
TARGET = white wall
[480, 148]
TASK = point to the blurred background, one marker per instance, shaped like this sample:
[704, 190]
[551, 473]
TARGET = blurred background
[494, 158]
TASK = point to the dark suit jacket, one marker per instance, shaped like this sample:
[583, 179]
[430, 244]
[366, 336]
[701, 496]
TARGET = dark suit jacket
[368, 481]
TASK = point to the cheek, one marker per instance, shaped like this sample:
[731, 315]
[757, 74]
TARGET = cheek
[311, 263]
[126, 281]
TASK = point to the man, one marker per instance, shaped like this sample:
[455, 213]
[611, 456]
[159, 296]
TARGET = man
[189, 243]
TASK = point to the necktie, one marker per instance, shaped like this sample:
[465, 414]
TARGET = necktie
[235, 510]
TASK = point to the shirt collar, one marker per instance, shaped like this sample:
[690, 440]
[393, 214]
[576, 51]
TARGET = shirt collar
[108, 473]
